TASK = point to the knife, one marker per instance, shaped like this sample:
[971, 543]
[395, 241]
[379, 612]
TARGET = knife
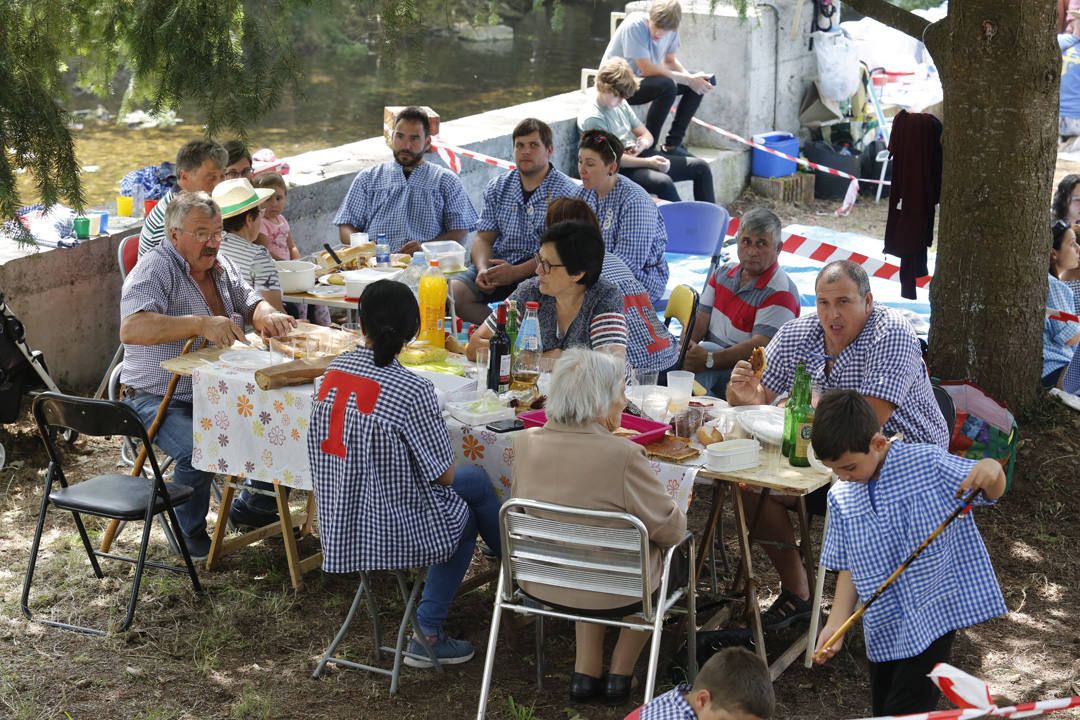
[333, 254]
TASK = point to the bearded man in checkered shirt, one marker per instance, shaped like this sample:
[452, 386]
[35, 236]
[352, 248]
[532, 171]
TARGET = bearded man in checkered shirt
[850, 344]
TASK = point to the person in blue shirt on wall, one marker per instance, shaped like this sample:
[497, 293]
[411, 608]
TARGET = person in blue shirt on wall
[1069, 104]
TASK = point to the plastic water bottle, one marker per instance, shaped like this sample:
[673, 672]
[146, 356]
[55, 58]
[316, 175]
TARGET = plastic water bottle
[411, 275]
[137, 198]
[432, 295]
[528, 350]
[382, 251]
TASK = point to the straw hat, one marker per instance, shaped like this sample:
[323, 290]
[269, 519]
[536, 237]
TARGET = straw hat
[238, 196]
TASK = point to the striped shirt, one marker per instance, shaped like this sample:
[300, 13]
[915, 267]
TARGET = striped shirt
[648, 344]
[253, 261]
[517, 224]
[634, 230]
[760, 308]
[599, 322]
[161, 283]
[949, 586]
[153, 229]
[422, 206]
[1056, 333]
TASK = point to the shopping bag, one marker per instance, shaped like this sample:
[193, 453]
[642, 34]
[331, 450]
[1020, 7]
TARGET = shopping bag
[838, 64]
[984, 428]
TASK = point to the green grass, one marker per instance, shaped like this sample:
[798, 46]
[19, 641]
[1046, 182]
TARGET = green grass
[251, 706]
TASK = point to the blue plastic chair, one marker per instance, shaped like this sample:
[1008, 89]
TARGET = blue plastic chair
[695, 228]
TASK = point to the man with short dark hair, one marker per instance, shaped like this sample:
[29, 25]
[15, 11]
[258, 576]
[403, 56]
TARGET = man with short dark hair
[648, 42]
[511, 223]
[199, 168]
[744, 303]
[409, 200]
[183, 289]
[851, 344]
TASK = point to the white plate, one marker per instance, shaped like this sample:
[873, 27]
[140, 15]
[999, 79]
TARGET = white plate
[327, 291]
[325, 280]
[765, 422]
[707, 401]
[246, 359]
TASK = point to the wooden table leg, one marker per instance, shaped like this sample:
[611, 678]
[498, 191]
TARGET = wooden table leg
[719, 493]
[217, 542]
[751, 580]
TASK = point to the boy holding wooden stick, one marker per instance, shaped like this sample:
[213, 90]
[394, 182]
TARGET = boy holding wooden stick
[892, 496]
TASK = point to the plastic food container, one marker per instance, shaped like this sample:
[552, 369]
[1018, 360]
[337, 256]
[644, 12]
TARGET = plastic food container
[648, 430]
[466, 408]
[450, 254]
[732, 455]
[357, 280]
[295, 276]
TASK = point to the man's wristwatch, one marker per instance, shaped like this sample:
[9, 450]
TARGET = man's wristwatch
[708, 360]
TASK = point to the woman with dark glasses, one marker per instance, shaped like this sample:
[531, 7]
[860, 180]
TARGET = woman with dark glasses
[631, 225]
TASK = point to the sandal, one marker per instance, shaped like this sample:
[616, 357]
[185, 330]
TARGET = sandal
[787, 609]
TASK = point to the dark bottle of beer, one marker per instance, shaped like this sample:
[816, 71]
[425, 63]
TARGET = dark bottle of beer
[498, 378]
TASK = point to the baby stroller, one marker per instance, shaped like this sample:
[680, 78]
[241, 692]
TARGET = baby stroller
[22, 370]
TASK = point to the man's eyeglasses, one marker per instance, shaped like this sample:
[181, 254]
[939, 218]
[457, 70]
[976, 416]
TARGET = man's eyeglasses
[544, 266]
[233, 174]
[203, 237]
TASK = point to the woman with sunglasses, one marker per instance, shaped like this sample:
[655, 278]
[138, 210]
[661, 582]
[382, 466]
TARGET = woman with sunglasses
[633, 228]
[1060, 337]
[578, 308]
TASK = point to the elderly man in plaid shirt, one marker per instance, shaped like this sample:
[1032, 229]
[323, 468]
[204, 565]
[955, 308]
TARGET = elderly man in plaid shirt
[511, 223]
[409, 200]
[178, 290]
[850, 343]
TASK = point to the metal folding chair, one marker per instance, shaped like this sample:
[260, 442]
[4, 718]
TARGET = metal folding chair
[120, 497]
[564, 547]
[409, 596]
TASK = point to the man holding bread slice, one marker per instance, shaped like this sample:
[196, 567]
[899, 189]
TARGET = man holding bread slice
[850, 344]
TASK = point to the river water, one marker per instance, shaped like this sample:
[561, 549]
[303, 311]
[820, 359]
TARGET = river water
[344, 97]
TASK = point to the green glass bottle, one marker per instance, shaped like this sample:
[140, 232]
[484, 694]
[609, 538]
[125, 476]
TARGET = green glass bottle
[512, 326]
[802, 423]
[785, 448]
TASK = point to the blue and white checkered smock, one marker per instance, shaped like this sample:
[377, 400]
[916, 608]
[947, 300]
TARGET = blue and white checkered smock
[517, 224]
[161, 283]
[1056, 333]
[426, 204]
[949, 586]
[648, 342]
[634, 230]
[669, 706]
[378, 506]
[884, 361]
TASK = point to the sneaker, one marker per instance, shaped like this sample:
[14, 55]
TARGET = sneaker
[198, 545]
[448, 650]
[485, 549]
[243, 516]
[787, 609]
[679, 150]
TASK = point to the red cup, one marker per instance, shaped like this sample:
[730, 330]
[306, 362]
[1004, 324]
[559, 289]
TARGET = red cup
[148, 205]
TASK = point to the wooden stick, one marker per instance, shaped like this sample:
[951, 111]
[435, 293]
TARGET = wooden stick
[963, 509]
[114, 525]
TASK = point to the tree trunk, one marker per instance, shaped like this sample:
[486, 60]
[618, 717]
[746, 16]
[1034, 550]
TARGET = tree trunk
[999, 67]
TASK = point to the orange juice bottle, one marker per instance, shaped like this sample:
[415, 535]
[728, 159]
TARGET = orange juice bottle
[432, 295]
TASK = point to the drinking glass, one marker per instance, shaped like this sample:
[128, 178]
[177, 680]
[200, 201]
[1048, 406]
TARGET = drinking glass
[681, 386]
[481, 367]
[640, 380]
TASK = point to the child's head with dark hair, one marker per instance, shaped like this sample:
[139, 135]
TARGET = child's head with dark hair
[270, 179]
[734, 685]
[847, 435]
[389, 317]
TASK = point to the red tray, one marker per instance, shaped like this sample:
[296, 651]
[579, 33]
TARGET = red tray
[648, 430]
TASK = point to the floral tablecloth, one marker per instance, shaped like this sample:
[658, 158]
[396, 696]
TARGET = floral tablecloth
[239, 429]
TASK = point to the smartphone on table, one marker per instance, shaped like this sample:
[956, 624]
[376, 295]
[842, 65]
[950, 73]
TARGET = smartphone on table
[501, 426]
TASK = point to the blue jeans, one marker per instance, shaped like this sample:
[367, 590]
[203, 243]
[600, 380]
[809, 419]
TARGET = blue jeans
[257, 501]
[714, 381]
[174, 437]
[471, 483]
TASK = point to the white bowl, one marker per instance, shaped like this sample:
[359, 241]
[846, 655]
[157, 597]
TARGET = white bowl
[295, 276]
[732, 455]
[357, 280]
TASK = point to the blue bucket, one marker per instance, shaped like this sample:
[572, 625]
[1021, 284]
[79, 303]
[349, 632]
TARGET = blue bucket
[765, 165]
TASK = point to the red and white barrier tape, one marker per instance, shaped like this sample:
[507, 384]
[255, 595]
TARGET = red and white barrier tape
[825, 253]
[449, 155]
[853, 187]
[972, 696]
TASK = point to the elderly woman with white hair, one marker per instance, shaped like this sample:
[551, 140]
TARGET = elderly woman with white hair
[575, 460]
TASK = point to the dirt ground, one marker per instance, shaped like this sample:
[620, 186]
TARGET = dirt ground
[246, 647]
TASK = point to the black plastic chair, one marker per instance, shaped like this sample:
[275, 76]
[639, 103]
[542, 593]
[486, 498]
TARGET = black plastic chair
[945, 403]
[115, 496]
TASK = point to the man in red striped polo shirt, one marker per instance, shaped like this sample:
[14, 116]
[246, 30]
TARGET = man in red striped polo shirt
[743, 304]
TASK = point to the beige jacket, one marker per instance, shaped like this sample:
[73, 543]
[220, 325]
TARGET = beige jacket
[588, 467]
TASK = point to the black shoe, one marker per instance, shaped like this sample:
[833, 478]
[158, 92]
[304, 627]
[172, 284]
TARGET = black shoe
[584, 688]
[617, 688]
[198, 545]
[244, 517]
[678, 150]
[787, 609]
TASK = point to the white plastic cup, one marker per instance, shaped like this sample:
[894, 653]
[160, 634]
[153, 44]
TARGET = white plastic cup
[680, 385]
